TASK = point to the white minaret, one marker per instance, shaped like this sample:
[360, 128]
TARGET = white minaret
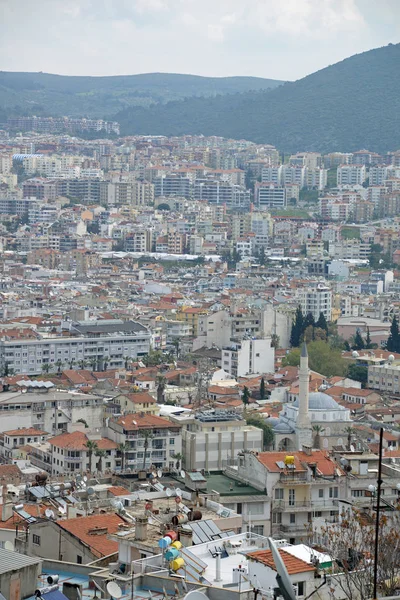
[303, 422]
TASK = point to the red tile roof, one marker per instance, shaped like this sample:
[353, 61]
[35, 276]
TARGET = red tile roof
[25, 431]
[135, 421]
[325, 465]
[293, 564]
[140, 398]
[77, 441]
[100, 544]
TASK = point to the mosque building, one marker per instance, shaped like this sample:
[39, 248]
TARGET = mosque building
[313, 415]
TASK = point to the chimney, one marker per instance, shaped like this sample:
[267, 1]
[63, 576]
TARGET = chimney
[141, 528]
[6, 507]
[307, 450]
[218, 568]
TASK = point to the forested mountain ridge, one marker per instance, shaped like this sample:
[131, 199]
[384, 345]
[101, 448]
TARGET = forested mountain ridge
[347, 106]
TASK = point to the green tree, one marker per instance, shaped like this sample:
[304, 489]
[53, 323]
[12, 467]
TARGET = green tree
[325, 360]
[84, 422]
[308, 321]
[268, 434]
[161, 383]
[59, 364]
[275, 341]
[45, 367]
[262, 388]
[245, 395]
[358, 373]
[178, 457]
[147, 435]
[101, 454]
[350, 432]
[322, 324]
[83, 364]
[297, 329]
[176, 345]
[358, 343]
[368, 343]
[292, 359]
[91, 448]
[122, 449]
[71, 363]
[393, 342]
[318, 429]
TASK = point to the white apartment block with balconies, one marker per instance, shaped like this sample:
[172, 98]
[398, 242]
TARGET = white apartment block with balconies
[316, 299]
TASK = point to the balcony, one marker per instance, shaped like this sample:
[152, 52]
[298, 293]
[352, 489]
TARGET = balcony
[294, 478]
[309, 505]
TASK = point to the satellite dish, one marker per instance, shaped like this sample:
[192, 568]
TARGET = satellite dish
[168, 491]
[9, 546]
[49, 513]
[195, 595]
[159, 473]
[83, 485]
[90, 491]
[178, 492]
[114, 590]
[114, 503]
[85, 478]
[62, 509]
[183, 474]
[154, 474]
[352, 449]
[284, 583]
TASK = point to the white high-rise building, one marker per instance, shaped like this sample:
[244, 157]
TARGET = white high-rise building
[248, 356]
[351, 174]
[316, 299]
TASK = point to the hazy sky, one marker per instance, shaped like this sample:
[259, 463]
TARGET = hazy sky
[281, 39]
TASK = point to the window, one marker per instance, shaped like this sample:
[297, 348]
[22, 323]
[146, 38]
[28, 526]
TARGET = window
[79, 559]
[36, 539]
[239, 508]
[258, 529]
[279, 493]
[172, 441]
[277, 518]
[292, 518]
[333, 492]
[292, 497]
[320, 493]
[300, 588]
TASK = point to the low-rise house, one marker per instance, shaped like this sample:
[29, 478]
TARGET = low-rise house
[77, 452]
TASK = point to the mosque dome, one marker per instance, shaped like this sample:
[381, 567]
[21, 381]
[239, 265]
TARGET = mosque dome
[272, 421]
[320, 401]
[282, 427]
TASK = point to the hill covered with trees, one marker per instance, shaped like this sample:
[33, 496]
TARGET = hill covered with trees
[347, 106]
[44, 94]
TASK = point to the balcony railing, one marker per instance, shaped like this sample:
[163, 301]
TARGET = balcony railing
[328, 504]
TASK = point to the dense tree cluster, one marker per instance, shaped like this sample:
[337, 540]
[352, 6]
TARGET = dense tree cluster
[304, 328]
[393, 342]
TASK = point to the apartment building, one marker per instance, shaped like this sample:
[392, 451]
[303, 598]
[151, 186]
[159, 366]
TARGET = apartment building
[301, 487]
[69, 453]
[47, 410]
[385, 378]
[269, 195]
[142, 193]
[212, 440]
[316, 299]
[97, 342]
[351, 174]
[138, 241]
[172, 185]
[150, 440]
[248, 356]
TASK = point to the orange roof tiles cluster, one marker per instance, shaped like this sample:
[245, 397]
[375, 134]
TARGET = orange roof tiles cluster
[77, 440]
[293, 564]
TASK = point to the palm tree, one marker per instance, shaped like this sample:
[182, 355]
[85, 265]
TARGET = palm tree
[176, 344]
[91, 448]
[350, 432]
[82, 363]
[45, 367]
[127, 360]
[317, 439]
[161, 383]
[147, 435]
[72, 361]
[178, 457]
[122, 449]
[59, 364]
[100, 454]
[93, 363]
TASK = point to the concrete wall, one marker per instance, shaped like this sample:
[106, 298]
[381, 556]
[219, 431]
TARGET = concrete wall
[20, 583]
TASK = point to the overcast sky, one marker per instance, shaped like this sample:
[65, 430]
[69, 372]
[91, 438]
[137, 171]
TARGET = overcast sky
[280, 39]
